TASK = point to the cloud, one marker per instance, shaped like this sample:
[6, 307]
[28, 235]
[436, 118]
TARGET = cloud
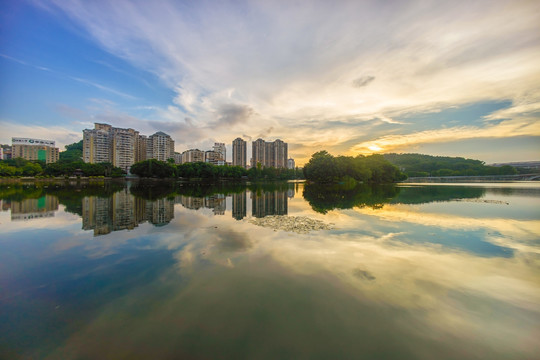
[396, 142]
[265, 132]
[289, 65]
[61, 135]
[363, 81]
[232, 114]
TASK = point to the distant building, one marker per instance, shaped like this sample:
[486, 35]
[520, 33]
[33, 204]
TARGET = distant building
[162, 146]
[290, 164]
[192, 155]
[222, 151]
[258, 153]
[34, 149]
[279, 154]
[239, 152]
[124, 142]
[97, 144]
[177, 158]
[141, 148]
[124, 147]
[213, 157]
[268, 154]
[105, 143]
[5, 152]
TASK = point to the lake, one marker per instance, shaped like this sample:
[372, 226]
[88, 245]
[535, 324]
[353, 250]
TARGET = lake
[162, 270]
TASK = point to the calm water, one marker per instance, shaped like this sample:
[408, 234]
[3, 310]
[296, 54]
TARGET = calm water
[174, 271]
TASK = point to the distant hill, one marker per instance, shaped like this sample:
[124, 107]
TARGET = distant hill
[419, 165]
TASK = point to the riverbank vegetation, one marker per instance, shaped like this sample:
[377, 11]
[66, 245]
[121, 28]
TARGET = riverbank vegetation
[70, 163]
[325, 168]
[419, 165]
[200, 170]
[20, 167]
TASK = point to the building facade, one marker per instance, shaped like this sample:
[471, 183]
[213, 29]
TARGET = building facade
[222, 151]
[213, 157]
[34, 149]
[291, 164]
[162, 146]
[124, 147]
[177, 158]
[269, 154]
[239, 152]
[124, 142]
[192, 155]
[258, 152]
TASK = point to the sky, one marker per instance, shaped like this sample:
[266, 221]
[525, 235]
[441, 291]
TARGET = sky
[452, 78]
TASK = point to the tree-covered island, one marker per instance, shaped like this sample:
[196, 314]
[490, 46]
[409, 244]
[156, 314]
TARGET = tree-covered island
[326, 168]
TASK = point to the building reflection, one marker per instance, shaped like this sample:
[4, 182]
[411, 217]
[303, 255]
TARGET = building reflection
[123, 211]
[215, 202]
[263, 203]
[28, 209]
[239, 205]
[269, 203]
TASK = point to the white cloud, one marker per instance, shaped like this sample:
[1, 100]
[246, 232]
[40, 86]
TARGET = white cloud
[293, 63]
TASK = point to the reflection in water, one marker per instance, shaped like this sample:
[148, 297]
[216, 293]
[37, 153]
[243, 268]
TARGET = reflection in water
[123, 211]
[408, 273]
[239, 205]
[266, 203]
[28, 209]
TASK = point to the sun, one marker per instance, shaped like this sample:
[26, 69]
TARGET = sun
[374, 148]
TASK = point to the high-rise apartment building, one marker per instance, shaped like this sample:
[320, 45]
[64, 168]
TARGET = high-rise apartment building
[239, 152]
[279, 154]
[222, 150]
[141, 148]
[258, 151]
[34, 149]
[97, 144]
[162, 146]
[124, 143]
[124, 147]
[268, 154]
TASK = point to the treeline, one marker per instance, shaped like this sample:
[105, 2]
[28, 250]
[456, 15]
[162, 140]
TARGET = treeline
[21, 167]
[325, 168]
[201, 170]
[70, 163]
[418, 165]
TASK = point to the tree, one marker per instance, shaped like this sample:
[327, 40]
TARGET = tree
[153, 168]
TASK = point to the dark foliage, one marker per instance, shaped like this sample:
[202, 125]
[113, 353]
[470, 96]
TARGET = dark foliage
[418, 165]
[325, 168]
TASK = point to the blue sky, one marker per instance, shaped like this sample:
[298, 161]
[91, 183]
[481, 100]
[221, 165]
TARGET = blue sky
[455, 78]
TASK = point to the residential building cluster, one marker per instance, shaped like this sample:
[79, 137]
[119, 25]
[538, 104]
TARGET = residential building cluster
[125, 147]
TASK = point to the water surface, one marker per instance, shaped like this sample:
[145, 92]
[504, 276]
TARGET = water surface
[169, 270]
